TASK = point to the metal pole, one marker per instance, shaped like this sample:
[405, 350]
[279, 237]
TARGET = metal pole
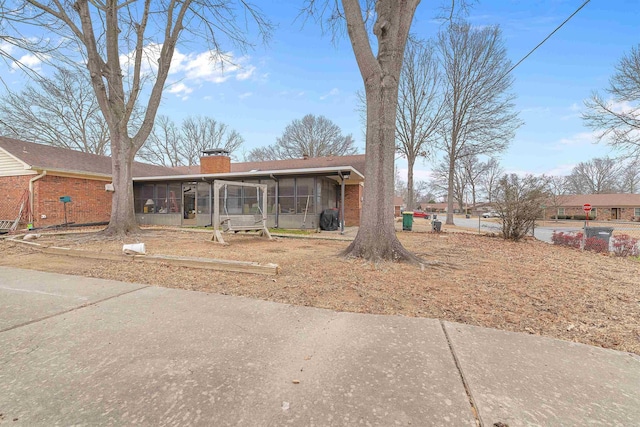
[342, 204]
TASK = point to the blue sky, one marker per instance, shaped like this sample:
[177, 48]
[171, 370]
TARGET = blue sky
[301, 71]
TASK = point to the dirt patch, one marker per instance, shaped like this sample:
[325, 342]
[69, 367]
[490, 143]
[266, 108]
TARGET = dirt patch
[530, 286]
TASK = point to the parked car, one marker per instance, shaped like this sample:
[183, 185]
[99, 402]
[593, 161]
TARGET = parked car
[491, 214]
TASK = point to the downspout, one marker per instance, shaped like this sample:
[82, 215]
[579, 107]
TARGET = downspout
[31, 181]
[341, 202]
[277, 199]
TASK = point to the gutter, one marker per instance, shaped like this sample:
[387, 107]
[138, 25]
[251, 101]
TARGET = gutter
[31, 181]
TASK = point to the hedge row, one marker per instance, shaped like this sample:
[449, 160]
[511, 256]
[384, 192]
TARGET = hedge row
[576, 217]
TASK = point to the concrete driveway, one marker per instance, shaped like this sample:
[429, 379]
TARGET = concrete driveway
[81, 351]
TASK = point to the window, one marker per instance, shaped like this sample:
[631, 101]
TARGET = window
[305, 199]
[202, 204]
[144, 198]
[560, 211]
[636, 212]
[250, 198]
[175, 198]
[593, 213]
[286, 195]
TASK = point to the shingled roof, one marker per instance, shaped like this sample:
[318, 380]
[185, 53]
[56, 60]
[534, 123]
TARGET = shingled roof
[355, 161]
[601, 200]
[46, 157]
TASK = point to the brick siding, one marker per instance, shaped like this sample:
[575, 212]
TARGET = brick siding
[89, 201]
[12, 189]
[352, 205]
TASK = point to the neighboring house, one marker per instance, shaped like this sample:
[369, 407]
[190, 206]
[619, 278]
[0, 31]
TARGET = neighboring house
[33, 178]
[398, 203]
[604, 206]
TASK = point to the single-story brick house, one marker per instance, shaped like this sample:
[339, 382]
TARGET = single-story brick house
[624, 207]
[33, 177]
[298, 190]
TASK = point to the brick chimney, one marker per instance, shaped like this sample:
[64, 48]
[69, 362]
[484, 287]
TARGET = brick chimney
[216, 160]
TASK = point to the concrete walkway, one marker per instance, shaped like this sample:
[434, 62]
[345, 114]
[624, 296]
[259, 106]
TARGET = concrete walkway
[82, 351]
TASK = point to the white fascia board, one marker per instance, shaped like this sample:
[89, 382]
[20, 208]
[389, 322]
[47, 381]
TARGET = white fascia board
[278, 173]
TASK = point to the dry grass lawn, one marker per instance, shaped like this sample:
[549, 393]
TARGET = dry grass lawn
[530, 287]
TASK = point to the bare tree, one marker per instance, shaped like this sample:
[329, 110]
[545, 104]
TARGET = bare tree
[480, 117]
[164, 145]
[376, 239]
[629, 181]
[202, 133]
[419, 107]
[557, 188]
[617, 119]
[61, 111]
[262, 154]
[170, 145]
[597, 176]
[310, 136]
[519, 202]
[456, 188]
[474, 169]
[108, 31]
[489, 179]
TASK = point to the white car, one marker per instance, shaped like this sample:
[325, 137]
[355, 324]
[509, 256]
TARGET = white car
[490, 215]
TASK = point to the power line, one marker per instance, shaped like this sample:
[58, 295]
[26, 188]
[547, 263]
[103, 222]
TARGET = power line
[546, 38]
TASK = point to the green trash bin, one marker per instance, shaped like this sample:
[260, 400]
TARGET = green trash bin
[407, 221]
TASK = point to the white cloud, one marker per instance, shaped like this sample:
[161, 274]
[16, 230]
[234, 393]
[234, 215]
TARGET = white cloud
[581, 138]
[332, 92]
[245, 72]
[209, 66]
[179, 88]
[575, 107]
[561, 170]
[245, 95]
[29, 61]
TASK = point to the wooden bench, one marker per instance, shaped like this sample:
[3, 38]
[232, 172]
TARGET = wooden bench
[5, 225]
[238, 223]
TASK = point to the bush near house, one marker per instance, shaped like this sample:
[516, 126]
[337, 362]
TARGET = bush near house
[625, 245]
[571, 240]
[597, 245]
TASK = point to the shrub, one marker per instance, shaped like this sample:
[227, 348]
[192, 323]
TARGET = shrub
[583, 217]
[625, 245]
[572, 240]
[596, 245]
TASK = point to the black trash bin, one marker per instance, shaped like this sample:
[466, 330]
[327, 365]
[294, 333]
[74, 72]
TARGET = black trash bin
[602, 233]
[436, 225]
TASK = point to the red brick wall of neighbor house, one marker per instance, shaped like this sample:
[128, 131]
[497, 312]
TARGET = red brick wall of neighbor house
[602, 214]
[89, 201]
[12, 189]
[215, 164]
[352, 205]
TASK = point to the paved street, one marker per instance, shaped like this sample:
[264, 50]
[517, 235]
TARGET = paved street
[82, 351]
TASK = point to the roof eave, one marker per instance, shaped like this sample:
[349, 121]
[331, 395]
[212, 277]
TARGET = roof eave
[334, 170]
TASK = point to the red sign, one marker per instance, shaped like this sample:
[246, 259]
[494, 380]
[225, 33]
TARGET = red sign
[586, 207]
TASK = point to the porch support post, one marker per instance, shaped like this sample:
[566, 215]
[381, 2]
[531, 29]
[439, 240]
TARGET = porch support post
[341, 203]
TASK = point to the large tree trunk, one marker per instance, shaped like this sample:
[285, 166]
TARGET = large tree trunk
[376, 239]
[411, 198]
[123, 219]
[450, 191]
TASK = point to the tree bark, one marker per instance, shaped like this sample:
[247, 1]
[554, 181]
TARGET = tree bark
[450, 192]
[411, 198]
[376, 239]
[123, 219]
